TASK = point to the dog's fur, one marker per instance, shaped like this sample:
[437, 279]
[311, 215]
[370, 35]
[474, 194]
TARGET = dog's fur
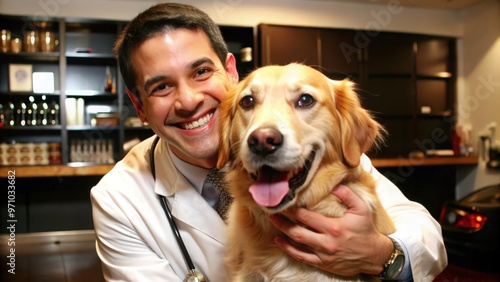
[271, 122]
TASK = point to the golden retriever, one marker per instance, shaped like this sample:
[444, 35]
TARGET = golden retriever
[290, 135]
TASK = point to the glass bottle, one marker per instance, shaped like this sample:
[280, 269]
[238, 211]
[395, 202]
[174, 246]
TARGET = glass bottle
[2, 116]
[31, 112]
[9, 114]
[108, 87]
[42, 108]
[53, 116]
[20, 114]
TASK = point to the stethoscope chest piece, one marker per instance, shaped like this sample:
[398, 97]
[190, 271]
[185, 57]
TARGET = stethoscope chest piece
[194, 276]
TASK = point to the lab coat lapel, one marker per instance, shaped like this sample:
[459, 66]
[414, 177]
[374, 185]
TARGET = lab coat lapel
[186, 204]
[190, 207]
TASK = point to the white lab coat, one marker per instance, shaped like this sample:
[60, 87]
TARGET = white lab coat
[134, 239]
[135, 242]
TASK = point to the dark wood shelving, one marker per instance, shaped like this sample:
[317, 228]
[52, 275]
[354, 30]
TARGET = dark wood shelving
[32, 127]
[25, 57]
[80, 65]
[92, 128]
[27, 94]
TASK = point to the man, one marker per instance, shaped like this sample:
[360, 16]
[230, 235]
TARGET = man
[178, 69]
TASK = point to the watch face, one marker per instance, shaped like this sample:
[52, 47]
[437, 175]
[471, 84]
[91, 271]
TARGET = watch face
[396, 267]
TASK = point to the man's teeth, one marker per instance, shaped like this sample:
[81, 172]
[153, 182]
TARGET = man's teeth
[198, 123]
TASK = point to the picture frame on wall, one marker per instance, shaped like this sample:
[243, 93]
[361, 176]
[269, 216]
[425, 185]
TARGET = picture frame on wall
[20, 78]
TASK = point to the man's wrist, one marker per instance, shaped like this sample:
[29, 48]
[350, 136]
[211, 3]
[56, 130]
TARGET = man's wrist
[406, 274]
[394, 265]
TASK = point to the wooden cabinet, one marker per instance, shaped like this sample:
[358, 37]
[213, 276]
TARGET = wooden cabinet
[410, 79]
[435, 75]
[390, 54]
[340, 54]
[283, 45]
[434, 57]
[406, 80]
[333, 52]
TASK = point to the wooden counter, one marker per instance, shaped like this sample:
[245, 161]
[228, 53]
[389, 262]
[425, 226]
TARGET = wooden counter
[431, 161]
[55, 170]
[83, 170]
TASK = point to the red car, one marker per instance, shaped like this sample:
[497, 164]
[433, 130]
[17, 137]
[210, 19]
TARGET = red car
[471, 229]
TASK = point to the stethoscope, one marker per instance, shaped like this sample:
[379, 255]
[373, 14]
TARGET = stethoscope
[193, 275]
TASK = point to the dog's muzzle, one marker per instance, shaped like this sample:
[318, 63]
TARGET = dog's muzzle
[274, 189]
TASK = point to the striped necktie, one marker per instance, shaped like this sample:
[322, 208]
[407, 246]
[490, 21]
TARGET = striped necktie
[220, 199]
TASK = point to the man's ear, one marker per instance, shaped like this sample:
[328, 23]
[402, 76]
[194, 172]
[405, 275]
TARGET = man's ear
[231, 68]
[137, 105]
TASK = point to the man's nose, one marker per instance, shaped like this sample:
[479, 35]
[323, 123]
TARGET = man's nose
[188, 98]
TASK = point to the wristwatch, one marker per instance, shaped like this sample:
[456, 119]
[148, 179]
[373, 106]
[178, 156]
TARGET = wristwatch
[394, 265]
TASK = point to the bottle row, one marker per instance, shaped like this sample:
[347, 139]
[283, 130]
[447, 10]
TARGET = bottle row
[32, 41]
[98, 151]
[29, 113]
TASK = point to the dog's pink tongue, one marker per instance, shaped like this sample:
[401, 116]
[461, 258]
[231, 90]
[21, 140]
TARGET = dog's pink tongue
[270, 188]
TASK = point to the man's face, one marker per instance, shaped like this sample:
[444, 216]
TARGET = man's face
[181, 82]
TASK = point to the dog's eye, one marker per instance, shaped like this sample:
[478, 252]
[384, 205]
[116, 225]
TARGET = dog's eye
[305, 101]
[247, 102]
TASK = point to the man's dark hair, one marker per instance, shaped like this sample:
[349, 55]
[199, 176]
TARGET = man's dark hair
[156, 20]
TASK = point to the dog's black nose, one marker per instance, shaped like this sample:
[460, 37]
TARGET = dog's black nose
[264, 141]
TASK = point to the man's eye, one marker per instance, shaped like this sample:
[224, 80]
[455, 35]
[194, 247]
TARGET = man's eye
[161, 90]
[203, 73]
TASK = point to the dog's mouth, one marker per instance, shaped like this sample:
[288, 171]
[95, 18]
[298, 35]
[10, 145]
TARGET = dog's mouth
[274, 188]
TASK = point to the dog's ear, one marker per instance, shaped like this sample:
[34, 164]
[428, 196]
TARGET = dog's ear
[358, 130]
[226, 109]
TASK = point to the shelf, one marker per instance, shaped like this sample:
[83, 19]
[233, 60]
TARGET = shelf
[445, 114]
[89, 93]
[5, 93]
[92, 128]
[75, 55]
[56, 170]
[432, 161]
[79, 170]
[138, 128]
[440, 75]
[90, 59]
[30, 57]
[32, 127]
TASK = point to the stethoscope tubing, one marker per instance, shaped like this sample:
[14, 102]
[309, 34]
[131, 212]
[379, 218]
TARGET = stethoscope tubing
[168, 214]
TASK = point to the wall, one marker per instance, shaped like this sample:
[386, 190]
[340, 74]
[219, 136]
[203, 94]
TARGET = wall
[251, 12]
[479, 85]
[477, 29]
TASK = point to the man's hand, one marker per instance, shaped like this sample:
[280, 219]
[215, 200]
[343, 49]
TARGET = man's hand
[346, 246]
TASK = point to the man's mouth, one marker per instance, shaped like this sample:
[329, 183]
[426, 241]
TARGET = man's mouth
[274, 188]
[197, 123]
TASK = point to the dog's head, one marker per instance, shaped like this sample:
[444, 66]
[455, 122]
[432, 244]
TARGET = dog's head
[283, 123]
